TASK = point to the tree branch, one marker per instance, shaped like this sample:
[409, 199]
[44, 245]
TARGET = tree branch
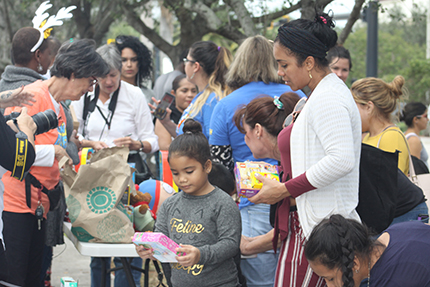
[321, 4]
[212, 20]
[134, 20]
[353, 17]
[277, 14]
[231, 33]
[244, 16]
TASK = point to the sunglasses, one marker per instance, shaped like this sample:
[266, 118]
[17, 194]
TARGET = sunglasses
[423, 116]
[291, 118]
[185, 60]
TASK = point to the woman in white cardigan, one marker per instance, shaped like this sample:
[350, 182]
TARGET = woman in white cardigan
[320, 152]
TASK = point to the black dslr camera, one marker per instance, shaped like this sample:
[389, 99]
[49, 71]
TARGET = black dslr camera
[44, 121]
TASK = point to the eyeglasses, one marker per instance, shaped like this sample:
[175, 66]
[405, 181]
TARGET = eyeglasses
[93, 81]
[188, 60]
[291, 118]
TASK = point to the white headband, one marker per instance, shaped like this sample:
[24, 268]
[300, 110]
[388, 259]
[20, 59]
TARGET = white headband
[45, 28]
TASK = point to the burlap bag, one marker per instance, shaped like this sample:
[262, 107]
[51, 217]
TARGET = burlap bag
[93, 197]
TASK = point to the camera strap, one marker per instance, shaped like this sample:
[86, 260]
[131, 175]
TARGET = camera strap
[90, 105]
[20, 153]
[30, 180]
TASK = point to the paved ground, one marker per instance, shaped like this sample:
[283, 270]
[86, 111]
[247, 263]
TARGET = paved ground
[68, 262]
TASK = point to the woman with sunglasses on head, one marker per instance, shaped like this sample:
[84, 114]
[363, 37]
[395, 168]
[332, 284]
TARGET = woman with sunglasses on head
[205, 66]
[415, 116]
[377, 100]
[251, 74]
[321, 148]
[261, 121]
[136, 63]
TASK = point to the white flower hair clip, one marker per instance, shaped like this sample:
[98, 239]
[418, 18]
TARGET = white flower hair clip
[44, 24]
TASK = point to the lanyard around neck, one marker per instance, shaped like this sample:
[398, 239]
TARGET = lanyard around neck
[112, 106]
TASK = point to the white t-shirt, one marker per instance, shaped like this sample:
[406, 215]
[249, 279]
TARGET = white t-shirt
[132, 118]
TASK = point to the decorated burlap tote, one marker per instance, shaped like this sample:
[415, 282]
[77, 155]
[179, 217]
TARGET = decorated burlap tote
[93, 197]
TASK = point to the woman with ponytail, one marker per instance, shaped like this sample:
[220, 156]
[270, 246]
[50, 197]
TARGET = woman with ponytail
[344, 253]
[320, 148]
[377, 100]
[205, 66]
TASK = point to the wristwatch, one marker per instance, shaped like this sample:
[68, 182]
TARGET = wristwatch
[141, 146]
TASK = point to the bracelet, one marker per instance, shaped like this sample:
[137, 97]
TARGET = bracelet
[141, 146]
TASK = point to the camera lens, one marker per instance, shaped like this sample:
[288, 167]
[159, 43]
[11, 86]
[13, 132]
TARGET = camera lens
[45, 121]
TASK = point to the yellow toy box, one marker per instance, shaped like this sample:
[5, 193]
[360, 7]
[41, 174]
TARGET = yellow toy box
[247, 184]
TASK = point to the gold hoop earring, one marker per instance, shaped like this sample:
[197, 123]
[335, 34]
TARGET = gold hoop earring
[310, 75]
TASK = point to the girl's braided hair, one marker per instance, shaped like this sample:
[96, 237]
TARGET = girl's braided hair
[336, 241]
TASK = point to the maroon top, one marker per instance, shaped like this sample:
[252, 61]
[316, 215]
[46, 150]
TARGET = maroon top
[296, 186]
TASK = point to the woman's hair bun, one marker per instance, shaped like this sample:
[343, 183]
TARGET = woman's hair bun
[324, 18]
[396, 86]
[192, 126]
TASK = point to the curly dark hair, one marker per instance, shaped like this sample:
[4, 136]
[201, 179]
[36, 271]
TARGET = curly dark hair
[144, 56]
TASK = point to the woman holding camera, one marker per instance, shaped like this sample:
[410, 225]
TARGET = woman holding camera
[26, 203]
[8, 146]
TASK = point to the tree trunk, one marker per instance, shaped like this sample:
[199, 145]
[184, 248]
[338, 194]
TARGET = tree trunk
[353, 17]
[310, 6]
[7, 20]
[82, 18]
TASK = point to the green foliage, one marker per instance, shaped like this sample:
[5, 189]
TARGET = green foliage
[417, 76]
[401, 51]
[120, 28]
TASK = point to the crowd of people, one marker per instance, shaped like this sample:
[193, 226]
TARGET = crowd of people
[303, 230]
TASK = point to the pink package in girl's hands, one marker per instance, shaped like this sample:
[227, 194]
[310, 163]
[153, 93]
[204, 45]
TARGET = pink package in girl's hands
[164, 247]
